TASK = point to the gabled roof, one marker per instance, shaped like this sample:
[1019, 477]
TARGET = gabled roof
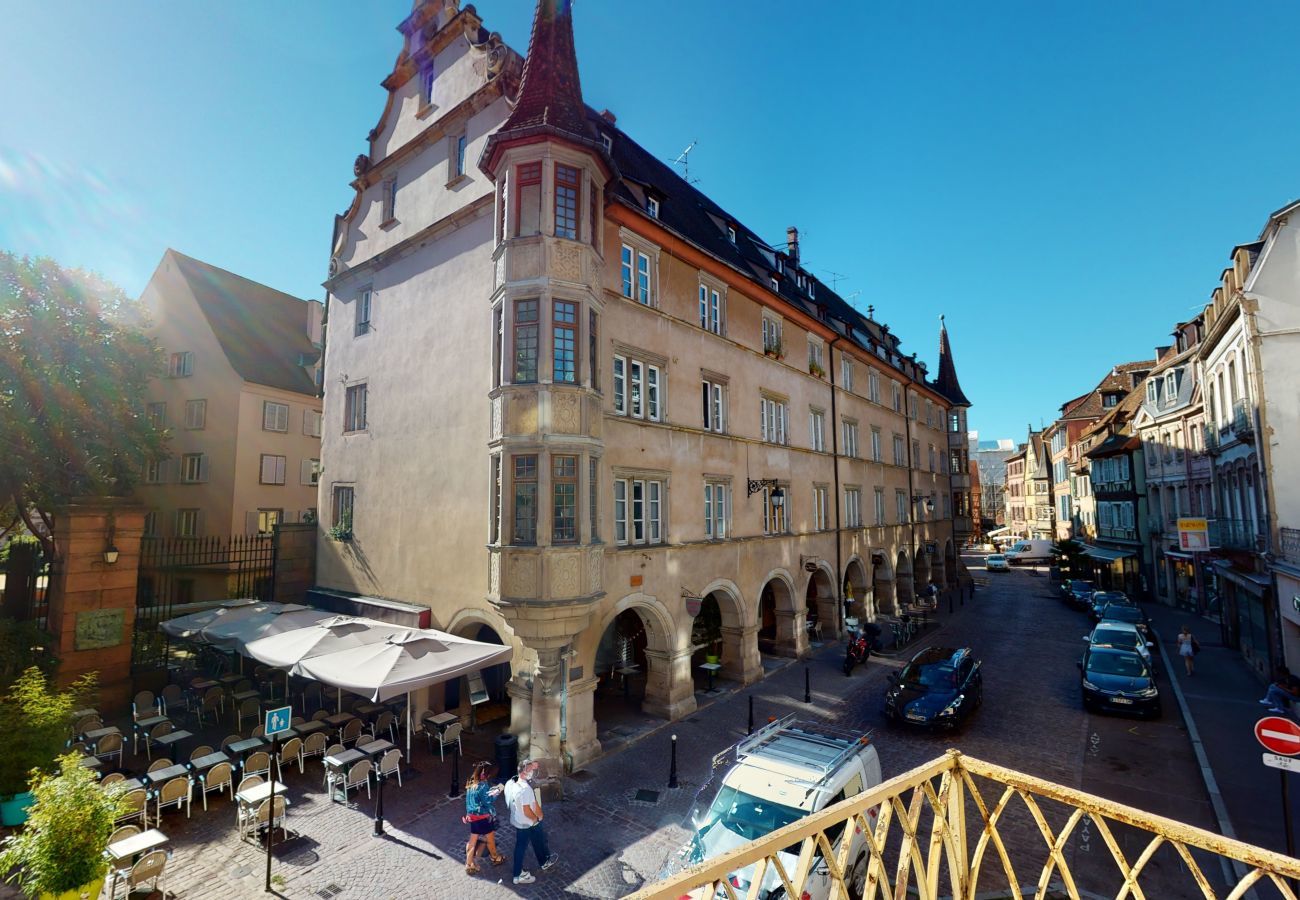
[947, 381]
[262, 331]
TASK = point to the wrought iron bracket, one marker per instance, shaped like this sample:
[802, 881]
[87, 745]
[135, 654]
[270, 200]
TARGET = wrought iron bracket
[754, 485]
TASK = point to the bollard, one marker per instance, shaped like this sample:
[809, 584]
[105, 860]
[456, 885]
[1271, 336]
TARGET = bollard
[672, 769]
[807, 689]
[751, 715]
[379, 804]
[454, 789]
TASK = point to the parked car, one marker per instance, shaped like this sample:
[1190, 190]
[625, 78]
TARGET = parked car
[1029, 552]
[1121, 636]
[1078, 592]
[1127, 612]
[1099, 600]
[1118, 680]
[996, 563]
[783, 772]
[940, 687]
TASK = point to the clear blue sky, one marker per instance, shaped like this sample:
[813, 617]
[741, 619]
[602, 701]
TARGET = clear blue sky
[1064, 181]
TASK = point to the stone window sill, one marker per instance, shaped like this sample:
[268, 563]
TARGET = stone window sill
[387, 224]
[425, 111]
[458, 180]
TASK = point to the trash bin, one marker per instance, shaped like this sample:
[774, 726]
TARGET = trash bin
[507, 756]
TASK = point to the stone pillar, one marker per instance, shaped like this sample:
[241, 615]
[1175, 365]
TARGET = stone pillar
[884, 592]
[580, 742]
[669, 689]
[741, 660]
[791, 632]
[828, 616]
[92, 602]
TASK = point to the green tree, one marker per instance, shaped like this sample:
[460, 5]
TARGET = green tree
[34, 726]
[74, 366]
[1071, 554]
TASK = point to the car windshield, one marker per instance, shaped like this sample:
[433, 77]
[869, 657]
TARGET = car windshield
[932, 675]
[1081, 585]
[741, 814]
[1123, 664]
[1122, 613]
[1115, 637]
[1104, 597]
[997, 558]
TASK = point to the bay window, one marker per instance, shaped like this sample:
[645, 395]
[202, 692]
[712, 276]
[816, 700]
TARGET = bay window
[528, 199]
[564, 337]
[568, 189]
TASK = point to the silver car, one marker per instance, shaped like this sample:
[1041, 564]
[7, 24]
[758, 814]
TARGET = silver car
[1121, 636]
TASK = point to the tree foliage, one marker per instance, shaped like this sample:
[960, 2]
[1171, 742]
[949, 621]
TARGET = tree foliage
[34, 726]
[61, 848]
[74, 367]
[1071, 552]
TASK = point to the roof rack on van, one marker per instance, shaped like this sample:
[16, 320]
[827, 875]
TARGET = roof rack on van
[821, 748]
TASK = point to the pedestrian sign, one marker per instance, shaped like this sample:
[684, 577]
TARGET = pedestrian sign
[277, 720]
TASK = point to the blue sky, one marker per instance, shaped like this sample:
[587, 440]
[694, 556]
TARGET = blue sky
[1063, 181]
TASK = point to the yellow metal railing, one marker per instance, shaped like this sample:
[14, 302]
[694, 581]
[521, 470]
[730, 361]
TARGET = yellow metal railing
[962, 828]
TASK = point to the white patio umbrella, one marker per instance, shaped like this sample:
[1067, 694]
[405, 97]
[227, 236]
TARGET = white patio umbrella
[238, 633]
[406, 661]
[189, 626]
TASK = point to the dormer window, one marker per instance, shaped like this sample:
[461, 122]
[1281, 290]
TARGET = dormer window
[812, 288]
[780, 265]
[607, 141]
[731, 233]
[652, 206]
[776, 283]
[426, 86]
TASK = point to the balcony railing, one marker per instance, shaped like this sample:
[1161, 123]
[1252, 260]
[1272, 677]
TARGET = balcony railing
[960, 827]
[1210, 437]
[1290, 540]
[1243, 421]
[1234, 534]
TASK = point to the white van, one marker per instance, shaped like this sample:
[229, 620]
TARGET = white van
[1029, 552]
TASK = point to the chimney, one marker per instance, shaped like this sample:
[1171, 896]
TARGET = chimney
[609, 117]
[792, 244]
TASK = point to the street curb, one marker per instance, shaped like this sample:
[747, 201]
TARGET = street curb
[1207, 775]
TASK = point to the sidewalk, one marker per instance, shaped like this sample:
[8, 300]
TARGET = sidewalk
[1222, 699]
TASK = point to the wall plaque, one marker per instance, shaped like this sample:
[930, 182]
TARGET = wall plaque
[98, 628]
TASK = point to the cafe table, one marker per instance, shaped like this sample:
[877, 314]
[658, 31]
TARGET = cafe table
[136, 844]
[162, 776]
[336, 768]
[171, 740]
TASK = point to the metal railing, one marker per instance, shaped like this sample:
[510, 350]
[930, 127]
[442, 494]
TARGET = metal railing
[1290, 541]
[1243, 420]
[959, 827]
[1234, 534]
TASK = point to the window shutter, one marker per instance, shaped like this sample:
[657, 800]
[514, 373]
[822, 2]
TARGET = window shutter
[306, 471]
[785, 424]
[268, 470]
[203, 469]
[250, 522]
[279, 469]
[762, 416]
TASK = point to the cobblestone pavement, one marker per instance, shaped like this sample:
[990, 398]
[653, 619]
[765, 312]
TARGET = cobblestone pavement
[611, 838]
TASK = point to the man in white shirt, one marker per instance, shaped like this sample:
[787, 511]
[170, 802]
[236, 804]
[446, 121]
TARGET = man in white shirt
[526, 816]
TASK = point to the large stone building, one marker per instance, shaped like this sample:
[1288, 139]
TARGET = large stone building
[574, 405]
[240, 400]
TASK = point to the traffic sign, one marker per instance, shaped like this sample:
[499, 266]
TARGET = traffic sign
[1273, 761]
[1278, 735]
[277, 722]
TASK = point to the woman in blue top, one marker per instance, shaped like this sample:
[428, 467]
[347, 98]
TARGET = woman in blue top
[480, 797]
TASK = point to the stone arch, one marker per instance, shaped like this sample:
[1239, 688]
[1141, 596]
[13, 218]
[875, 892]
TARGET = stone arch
[668, 692]
[949, 564]
[781, 616]
[736, 643]
[882, 583]
[922, 570]
[819, 601]
[904, 586]
[478, 625]
[855, 583]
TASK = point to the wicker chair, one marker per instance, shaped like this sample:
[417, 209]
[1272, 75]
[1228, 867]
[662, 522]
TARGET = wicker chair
[391, 763]
[162, 729]
[226, 742]
[387, 722]
[290, 750]
[351, 731]
[159, 764]
[248, 709]
[176, 792]
[136, 803]
[173, 698]
[314, 745]
[112, 778]
[249, 781]
[110, 745]
[144, 706]
[221, 776]
[152, 865]
[212, 705]
[319, 715]
[201, 750]
[258, 763]
[264, 817]
[358, 775]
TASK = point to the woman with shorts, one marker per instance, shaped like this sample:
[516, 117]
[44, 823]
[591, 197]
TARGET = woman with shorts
[480, 797]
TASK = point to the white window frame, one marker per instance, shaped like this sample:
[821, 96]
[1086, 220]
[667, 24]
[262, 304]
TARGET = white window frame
[774, 416]
[187, 522]
[902, 508]
[194, 468]
[873, 385]
[876, 448]
[275, 416]
[356, 415]
[365, 308]
[639, 510]
[817, 429]
[181, 364]
[389, 200]
[638, 260]
[639, 389]
[880, 505]
[713, 404]
[713, 317]
[309, 472]
[821, 514]
[652, 206]
[852, 506]
[311, 422]
[846, 372]
[196, 414]
[772, 333]
[717, 509]
[776, 519]
[155, 472]
[271, 469]
[849, 428]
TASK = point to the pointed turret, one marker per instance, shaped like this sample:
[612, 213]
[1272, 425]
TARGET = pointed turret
[947, 381]
[549, 103]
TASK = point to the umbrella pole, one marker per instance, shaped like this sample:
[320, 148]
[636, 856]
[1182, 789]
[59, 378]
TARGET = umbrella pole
[408, 728]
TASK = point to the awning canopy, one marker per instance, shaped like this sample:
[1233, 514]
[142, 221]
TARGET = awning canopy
[1251, 581]
[403, 662]
[1106, 555]
[996, 531]
[328, 635]
[238, 634]
[189, 626]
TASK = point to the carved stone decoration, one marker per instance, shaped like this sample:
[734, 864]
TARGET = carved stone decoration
[521, 576]
[500, 271]
[566, 412]
[566, 575]
[496, 417]
[595, 567]
[522, 413]
[99, 628]
[566, 263]
[595, 421]
[548, 669]
[497, 55]
[525, 262]
[361, 165]
[494, 574]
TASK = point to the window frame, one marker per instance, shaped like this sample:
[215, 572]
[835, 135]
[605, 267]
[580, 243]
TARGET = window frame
[564, 496]
[566, 201]
[564, 335]
[275, 406]
[641, 518]
[356, 415]
[201, 405]
[713, 404]
[717, 509]
[364, 312]
[524, 478]
[278, 464]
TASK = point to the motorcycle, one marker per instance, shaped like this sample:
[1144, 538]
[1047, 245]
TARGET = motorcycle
[859, 648]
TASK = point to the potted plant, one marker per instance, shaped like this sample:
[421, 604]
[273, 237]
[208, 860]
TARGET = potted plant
[773, 348]
[341, 530]
[815, 368]
[34, 725]
[59, 854]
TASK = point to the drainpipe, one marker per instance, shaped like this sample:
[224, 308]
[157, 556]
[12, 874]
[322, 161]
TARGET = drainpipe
[835, 464]
[911, 485]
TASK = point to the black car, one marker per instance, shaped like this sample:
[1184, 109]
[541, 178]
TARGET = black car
[1101, 598]
[1118, 680]
[1078, 592]
[1128, 612]
[940, 687]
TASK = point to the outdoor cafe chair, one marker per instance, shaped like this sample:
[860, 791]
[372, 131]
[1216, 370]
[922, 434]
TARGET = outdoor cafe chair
[111, 778]
[351, 731]
[314, 745]
[297, 720]
[144, 706]
[173, 697]
[119, 868]
[244, 684]
[110, 745]
[213, 704]
[125, 831]
[162, 729]
[331, 750]
[79, 747]
[219, 777]
[176, 792]
[264, 817]
[200, 750]
[258, 763]
[358, 775]
[226, 742]
[259, 731]
[87, 723]
[448, 737]
[157, 764]
[385, 722]
[320, 714]
[289, 751]
[136, 804]
[248, 709]
[151, 865]
[363, 739]
[249, 781]
[390, 763]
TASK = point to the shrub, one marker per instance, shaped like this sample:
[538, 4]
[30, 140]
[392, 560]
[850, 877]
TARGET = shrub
[34, 725]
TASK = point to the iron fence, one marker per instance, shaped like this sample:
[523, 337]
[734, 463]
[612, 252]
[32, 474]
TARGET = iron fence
[25, 576]
[180, 572]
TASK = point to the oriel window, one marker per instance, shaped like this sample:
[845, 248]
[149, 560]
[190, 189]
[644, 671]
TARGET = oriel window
[564, 331]
[525, 369]
[525, 504]
[568, 189]
[528, 199]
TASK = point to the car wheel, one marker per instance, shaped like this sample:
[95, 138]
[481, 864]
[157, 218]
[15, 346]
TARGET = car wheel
[858, 878]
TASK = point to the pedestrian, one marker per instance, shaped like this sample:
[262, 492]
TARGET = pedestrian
[1187, 648]
[1282, 693]
[526, 817]
[480, 796]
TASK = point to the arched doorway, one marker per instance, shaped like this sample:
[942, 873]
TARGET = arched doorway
[882, 584]
[920, 572]
[819, 604]
[855, 590]
[621, 662]
[780, 622]
[950, 564]
[459, 692]
[903, 585]
[722, 630]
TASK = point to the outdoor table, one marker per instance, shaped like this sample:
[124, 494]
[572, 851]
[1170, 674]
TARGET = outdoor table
[202, 685]
[82, 713]
[132, 784]
[171, 740]
[256, 794]
[338, 720]
[231, 678]
[302, 729]
[90, 762]
[95, 734]
[146, 724]
[375, 748]
[366, 710]
[161, 776]
[336, 767]
[239, 748]
[711, 668]
[244, 695]
[201, 764]
[137, 844]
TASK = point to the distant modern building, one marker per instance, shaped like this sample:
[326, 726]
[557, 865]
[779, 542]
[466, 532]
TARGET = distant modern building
[990, 457]
[239, 398]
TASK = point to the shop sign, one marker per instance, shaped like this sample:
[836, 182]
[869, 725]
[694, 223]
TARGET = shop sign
[1193, 534]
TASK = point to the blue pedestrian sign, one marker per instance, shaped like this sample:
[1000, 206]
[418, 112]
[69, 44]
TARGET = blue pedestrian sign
[277, 720]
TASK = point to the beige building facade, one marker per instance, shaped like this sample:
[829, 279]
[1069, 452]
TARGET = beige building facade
[594, 416]
[240, 401]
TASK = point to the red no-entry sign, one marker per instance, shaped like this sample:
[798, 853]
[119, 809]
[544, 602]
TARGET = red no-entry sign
[1278, 735]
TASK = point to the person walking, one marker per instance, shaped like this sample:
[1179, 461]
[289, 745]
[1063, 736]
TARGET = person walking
[1187, 647]
[480, 797]
[526, 817]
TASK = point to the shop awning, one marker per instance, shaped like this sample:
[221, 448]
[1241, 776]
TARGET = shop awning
[1174, 554]
[1255, 583]
[1106, 555]
[996, 531]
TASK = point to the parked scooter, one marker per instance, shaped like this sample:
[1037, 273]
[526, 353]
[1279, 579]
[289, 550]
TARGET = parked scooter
[859, 648]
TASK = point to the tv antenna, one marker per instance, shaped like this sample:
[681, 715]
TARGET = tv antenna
[836, 278]
[684, 160]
